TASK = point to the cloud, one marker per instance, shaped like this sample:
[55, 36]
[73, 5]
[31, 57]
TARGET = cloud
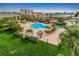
[55, 10]
[44, 10]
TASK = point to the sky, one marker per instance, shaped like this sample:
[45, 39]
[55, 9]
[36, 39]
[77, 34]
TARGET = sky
[40, 7]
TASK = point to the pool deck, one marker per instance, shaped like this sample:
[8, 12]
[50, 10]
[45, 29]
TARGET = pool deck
[54, 37]
[50, 38]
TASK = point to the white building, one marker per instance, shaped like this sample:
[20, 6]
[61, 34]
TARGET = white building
[26, 11]
[23, 11]
[30, 12]
[74, 20]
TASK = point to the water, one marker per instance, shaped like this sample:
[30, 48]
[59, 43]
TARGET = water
[37, 26]
[58, 26]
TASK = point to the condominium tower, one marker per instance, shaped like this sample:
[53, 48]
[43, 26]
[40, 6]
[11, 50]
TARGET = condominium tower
[26, 11]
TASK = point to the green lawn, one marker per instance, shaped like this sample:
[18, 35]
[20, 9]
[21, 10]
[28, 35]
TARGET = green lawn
[11, 45]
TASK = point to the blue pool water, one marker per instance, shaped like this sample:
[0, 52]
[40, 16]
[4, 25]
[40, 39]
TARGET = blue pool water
[37, 26]
[58, 26]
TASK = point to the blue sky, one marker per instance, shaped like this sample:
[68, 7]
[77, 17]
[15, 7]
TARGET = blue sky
[40, 7]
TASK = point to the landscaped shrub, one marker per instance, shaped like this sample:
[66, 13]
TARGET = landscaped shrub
[47, 27]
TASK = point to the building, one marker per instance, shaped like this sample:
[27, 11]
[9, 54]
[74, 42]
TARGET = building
[46, 16]
[30, 12]
[26, 11]
[23, 11]
[73, 21]
[64, 14]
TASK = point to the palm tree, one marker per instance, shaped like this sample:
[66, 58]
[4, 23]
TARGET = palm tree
[29, 32]
[46, 35]
[77, 13]
[69, 38]
[23, 17]
[40, 33]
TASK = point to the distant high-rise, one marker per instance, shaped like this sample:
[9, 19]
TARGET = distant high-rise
[26, 11]
[23, 11]
[30, 11]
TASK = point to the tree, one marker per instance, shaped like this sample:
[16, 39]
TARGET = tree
[9, 23]
[38, 19]
[1, 23]
[12, 24]
[61, 21]
[69, 39]
[15, 27]
[23, 17]
[76, 15]
[29, 32]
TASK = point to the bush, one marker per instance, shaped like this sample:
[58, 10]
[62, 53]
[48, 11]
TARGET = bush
[47, 27]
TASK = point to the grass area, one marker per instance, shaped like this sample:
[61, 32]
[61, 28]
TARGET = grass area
[12, 45]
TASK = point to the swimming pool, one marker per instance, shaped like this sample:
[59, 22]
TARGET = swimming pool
[58, 26]
[37, 26]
